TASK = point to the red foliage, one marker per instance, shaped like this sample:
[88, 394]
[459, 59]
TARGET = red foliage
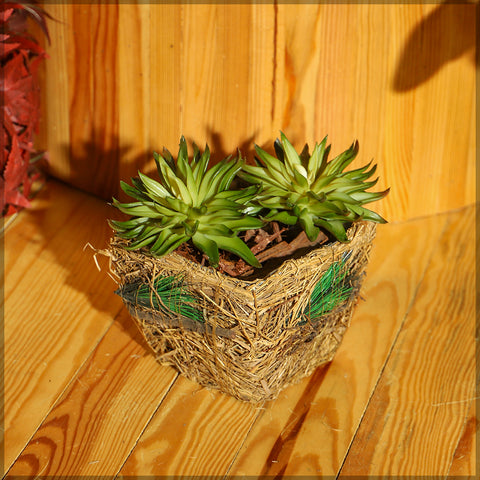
[20, 55]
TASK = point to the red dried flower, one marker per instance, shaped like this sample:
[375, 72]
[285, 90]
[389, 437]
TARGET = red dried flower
[20, 55]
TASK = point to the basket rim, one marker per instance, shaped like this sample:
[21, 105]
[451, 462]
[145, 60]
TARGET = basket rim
[357, 232]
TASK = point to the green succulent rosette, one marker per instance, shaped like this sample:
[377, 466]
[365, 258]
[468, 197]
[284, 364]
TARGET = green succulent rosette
[312, 191]
[190, 202]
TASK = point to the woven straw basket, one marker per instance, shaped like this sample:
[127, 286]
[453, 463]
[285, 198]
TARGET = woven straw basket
[249, 339]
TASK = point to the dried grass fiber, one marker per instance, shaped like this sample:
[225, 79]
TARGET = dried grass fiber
[255, 340]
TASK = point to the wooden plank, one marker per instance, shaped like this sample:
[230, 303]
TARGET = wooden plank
[54, 126]
[94, 108]
[308, 430]
[465, 459]
[57, 304]
[96, 422]
[196, 432]
[127, 79]
[148, 85]
[101, 415]
[215, 71]
[415, 422]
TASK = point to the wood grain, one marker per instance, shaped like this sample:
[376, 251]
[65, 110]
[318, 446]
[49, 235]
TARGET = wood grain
[124, 80]
[57, 305]
[308, 430]
[417, 420]
[464, 462]
[83, 395]
[149, 84]
[195, 432]
[98, 419]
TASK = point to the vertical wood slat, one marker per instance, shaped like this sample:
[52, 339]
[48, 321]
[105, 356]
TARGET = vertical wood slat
[124, 80]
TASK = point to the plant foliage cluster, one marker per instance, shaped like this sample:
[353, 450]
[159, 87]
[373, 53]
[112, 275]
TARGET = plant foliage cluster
[192, 202]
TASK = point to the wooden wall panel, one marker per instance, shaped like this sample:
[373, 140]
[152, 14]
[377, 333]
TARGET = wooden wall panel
[124, 80]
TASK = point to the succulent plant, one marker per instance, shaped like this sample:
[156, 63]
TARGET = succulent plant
[310, 190]
[191, 202]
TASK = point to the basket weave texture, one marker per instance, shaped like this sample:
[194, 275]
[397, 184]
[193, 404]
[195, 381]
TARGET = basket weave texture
[255, 337]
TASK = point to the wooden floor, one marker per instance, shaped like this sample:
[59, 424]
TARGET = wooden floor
[84, 396]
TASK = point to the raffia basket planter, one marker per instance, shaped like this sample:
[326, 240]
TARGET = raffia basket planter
[255, 337]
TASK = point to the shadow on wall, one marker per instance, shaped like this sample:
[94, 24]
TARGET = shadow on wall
[444, 35]
[97, 164]
[246, 147]
[216, 145]
[96, 167]
[219, 151]
[213, 139]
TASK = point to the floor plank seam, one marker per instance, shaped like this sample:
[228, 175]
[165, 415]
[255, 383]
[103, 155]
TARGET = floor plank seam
[65, 389]
[147, 423]
[392, 347]
[261, 411]
[445, 213]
